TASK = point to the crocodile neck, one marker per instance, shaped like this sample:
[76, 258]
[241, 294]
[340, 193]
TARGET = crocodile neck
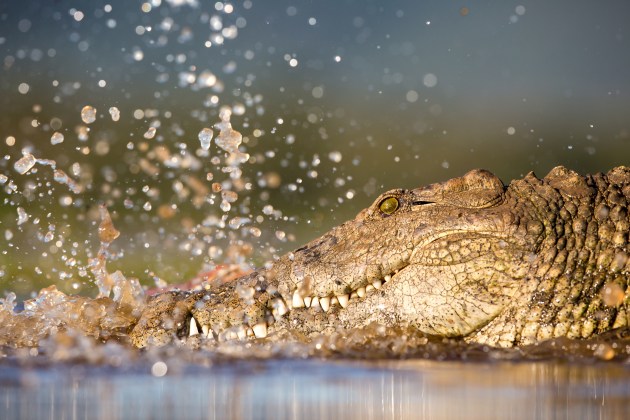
[578, 284]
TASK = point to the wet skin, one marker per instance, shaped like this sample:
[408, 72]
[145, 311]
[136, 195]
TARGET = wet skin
[469, 257]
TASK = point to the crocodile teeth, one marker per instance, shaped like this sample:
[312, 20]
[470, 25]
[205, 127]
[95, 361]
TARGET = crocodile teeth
[205, 329]
[361, 291]
[353, 295]
[193, 327]
[325, 303]
[307, 301]
[333, 301]
[260, 330]
[387, 278]
[377, 284]
[315, 302]
[343, 300]
[298, 300]
[241, 333]
[278, 307]
[369, 288]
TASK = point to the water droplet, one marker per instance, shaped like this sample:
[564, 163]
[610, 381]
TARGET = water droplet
[229, 196]
[88, 114]
[22, 216]
[114, 113]
[56, 138]
[150, 133]
[429, 80]
[23, 165]
[159, 369]
[335, 156]
[225, 206]
[205, 136]
[61, 177]
[229, 140]
[106, 230]
[23, 88]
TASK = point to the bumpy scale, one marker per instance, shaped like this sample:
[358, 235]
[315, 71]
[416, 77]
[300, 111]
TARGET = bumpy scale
[471, 258]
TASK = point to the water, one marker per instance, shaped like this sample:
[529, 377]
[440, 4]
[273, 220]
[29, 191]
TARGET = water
[297, 389]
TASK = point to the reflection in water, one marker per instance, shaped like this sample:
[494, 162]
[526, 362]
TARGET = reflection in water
[315, 389]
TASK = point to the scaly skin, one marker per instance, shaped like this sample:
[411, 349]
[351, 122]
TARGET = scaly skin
[470, 258]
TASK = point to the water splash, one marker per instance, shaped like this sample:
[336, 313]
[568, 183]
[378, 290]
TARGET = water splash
[205, 137]
[88, 114]
[25, 163]
[56, 138]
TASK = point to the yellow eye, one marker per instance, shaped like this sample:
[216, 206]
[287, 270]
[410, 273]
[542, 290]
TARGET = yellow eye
[389, 205]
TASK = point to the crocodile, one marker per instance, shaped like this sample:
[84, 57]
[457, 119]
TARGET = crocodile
[470, 258]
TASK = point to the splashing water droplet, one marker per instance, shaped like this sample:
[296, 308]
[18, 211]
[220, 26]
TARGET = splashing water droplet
[225, 206]
[23, 165]
[88, 114]
[229, 196]
[229, 140]
[56, 138]
[22, 216]
[114, 113]
[61, 177]
[106, 230]
[205, 136]
[150, 133]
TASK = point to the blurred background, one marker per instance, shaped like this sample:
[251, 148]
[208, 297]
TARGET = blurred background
[336, 101]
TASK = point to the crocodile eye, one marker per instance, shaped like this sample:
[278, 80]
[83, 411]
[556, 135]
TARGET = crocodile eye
[389, 205]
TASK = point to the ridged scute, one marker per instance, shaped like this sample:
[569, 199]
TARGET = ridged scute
[582, 265]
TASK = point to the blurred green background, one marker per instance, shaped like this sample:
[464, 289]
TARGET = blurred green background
[336, 100]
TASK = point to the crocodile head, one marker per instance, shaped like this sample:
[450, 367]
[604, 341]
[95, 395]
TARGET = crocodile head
[444, 259]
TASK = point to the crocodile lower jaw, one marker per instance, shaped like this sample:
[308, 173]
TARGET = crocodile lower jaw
[280, 308]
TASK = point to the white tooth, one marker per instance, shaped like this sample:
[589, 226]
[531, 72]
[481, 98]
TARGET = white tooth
[387, 278]
[377, 284]
[333, 301]
[193, 328]
[325, 303]
[241, 333]
[250, 332]
[205, 329]
[369, 288]
[307, 301]
[260, 330]
[361, 291]
[354, 295]
[278, 307]
[343, 300]
[315, 302]
[298, 301]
